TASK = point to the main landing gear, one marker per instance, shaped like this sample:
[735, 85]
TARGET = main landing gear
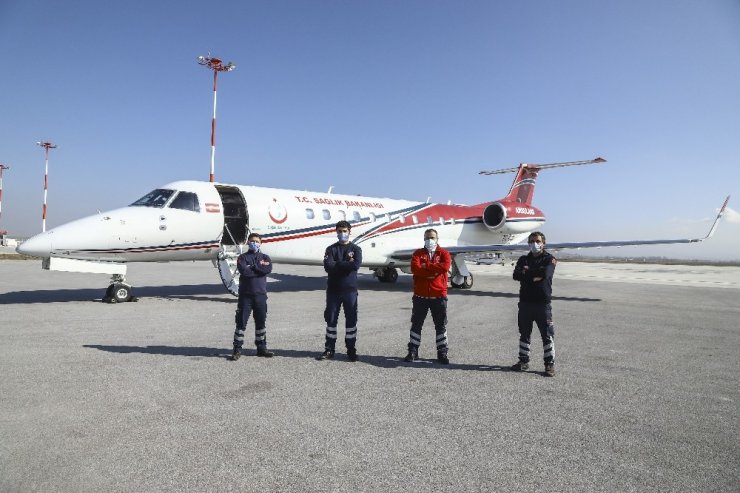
[386, 274]
[460, 276]
[119, 291]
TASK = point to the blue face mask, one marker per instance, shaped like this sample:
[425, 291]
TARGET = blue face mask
[535, 247]
[430, 244]
[343, 236]
[254, 246]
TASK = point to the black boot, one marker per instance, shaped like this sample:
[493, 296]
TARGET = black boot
[352, 354]
[442, 357]
[412, 356]
[263, 352]
[326, 355]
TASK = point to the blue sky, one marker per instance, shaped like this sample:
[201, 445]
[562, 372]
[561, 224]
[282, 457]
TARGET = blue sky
[401, 99]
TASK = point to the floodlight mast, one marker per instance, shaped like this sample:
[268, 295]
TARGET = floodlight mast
[2, 168]
[46, 146]
[217, 66]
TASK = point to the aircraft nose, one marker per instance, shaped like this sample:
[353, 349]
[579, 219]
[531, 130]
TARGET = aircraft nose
[36, 246]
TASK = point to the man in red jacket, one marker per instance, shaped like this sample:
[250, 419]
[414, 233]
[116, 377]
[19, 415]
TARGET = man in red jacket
[430, 266]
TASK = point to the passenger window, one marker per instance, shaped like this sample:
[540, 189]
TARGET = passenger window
[187, 201]
[415, 219]
[372, 216]
[326, 214]
[429, 219]
[342, 215]
[402, 218]
[309, 214]
[356, 216]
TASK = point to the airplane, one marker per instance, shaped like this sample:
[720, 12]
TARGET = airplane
[196, 220]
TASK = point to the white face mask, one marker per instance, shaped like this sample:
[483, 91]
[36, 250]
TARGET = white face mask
[343, 236]
[535, 247]
[430, 244]
[254, 246]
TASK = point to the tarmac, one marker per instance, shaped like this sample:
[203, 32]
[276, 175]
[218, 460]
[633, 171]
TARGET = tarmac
[141, 396]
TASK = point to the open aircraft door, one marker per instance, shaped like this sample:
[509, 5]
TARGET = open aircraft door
[234, 236]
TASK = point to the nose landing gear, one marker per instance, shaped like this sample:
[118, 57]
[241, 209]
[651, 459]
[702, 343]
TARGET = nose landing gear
[119, 291]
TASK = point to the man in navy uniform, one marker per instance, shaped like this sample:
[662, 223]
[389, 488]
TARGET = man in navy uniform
[342, 260]
[534, 272]
[254, 266]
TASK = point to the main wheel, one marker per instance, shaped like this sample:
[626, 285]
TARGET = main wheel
[391, 275]
[466, 284]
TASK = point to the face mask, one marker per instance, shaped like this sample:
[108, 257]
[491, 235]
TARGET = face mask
[254, 246]
[429, 244]
[343, 236]
[536, 247]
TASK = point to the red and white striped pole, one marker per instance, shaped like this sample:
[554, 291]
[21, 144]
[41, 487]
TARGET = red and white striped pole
[46, 146]
[217, 66]
[2, 168]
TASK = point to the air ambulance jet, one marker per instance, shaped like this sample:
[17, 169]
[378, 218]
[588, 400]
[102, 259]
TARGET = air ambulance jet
[193, 220]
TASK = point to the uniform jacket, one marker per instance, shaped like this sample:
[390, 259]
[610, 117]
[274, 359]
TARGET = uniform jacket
[253, 267]
[430, 272]
[527, 268]
[342, 262]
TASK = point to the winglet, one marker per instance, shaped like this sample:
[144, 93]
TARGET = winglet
[716, 220]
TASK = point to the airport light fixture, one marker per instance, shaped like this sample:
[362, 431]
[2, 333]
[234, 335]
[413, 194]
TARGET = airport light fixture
[46, 146]
[217, 66]
[2, 168]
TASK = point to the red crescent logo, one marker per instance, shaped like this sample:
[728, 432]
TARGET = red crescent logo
[281, 209]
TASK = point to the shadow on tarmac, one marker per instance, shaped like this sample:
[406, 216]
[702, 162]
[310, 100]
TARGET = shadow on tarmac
[216, 292]
[225, 353]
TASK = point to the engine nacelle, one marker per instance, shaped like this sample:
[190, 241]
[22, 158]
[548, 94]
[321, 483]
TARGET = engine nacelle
[512, 218]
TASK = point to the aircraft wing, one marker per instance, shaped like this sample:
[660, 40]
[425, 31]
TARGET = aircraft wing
[472, 249]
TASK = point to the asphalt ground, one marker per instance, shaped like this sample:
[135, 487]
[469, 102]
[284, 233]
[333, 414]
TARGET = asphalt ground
[141, 397]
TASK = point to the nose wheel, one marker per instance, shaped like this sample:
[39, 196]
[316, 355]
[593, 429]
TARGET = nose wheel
[118, 291]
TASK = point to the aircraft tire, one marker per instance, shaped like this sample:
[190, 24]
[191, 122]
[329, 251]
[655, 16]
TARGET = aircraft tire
[120, 293]
[466, 284]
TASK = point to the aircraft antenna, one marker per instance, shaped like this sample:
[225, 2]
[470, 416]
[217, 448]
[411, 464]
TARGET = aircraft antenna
[217, 66]
[597, 160]
[46, 146]
[2, 168]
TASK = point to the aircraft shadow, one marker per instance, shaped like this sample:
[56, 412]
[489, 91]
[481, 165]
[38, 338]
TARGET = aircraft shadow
[216, 292]
[225, 353]
[195, 291]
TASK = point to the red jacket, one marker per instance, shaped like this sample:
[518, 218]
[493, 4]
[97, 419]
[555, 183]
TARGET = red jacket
[430, 274]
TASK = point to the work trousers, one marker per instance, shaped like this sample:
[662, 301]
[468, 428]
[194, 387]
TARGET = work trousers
[247, 305]
[419, 309]
[541, 314]
[334, 302]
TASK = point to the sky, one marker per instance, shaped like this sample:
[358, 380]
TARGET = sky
[400, 99]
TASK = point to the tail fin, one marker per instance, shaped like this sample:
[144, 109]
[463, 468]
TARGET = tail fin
[522, 190]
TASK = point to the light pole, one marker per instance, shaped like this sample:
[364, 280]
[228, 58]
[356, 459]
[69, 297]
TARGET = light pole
[2, 168]
[217, 66]
[46, 146]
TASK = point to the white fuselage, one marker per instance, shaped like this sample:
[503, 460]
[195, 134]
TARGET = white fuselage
[296, 226]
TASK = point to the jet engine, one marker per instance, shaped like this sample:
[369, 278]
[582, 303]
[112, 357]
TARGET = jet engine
[511, 218]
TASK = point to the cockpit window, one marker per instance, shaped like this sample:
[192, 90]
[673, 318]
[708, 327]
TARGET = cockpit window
[155, 198]
[187, 201]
